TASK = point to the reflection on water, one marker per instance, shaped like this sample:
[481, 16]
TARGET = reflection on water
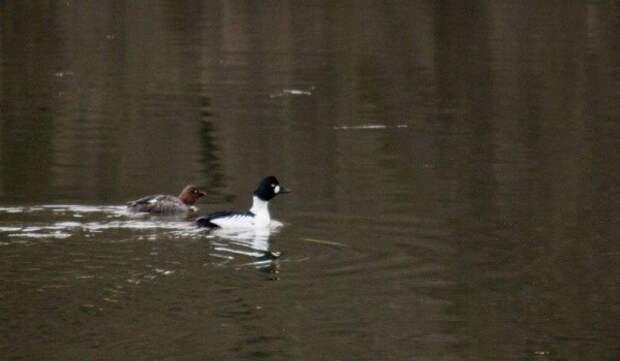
[48, 222]
[256, 240]
[251, 245]
[455, 165]
[62, 221]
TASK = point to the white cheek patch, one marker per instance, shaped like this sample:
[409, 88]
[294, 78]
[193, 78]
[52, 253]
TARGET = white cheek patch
[276, 190]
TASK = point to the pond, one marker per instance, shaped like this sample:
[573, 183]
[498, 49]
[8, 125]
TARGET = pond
[454, 167]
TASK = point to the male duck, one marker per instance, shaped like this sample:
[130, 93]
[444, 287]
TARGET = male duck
[257, 217]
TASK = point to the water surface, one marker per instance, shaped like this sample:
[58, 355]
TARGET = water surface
[454, 167]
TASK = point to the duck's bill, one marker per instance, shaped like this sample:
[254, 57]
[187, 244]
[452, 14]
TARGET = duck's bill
[283, 189]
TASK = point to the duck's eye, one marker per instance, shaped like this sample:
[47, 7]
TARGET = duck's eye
[195, 191]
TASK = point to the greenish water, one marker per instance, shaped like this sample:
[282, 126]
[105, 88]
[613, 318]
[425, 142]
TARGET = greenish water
[455, 169]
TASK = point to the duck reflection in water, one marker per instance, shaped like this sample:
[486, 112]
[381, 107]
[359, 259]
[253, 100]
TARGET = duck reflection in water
[252, 243]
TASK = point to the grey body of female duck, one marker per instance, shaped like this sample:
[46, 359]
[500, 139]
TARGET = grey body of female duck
[168, 204]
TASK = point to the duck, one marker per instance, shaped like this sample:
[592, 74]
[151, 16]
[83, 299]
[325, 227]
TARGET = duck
[257, 217]
[168, 204]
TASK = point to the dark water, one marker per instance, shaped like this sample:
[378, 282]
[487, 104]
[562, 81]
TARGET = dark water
[455, 167]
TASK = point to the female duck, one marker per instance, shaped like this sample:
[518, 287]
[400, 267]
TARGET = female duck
[167, 204]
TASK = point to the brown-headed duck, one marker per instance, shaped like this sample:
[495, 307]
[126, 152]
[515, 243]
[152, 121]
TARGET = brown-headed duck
[167, 204]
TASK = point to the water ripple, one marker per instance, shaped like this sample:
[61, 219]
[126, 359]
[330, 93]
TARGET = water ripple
[85, 220]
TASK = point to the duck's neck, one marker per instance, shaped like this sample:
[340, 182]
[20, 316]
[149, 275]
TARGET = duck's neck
[260, 208]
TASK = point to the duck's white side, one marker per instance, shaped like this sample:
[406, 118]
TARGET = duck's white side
[258, 217]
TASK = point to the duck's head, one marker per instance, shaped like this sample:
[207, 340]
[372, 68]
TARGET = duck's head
[191, 194]
[269, 187]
